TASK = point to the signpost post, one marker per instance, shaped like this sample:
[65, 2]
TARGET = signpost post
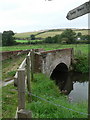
[77, 12]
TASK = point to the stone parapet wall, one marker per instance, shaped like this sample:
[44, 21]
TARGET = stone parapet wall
[10, 54]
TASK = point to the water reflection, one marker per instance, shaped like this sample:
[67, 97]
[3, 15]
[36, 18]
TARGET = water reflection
[75, 85]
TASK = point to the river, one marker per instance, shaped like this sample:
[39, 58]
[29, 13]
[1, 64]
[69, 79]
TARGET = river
[74, 85]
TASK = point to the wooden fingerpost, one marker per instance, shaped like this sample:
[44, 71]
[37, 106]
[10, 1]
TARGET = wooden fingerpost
[28, 77]
[21, 89]
[32, 64]
[89, 98]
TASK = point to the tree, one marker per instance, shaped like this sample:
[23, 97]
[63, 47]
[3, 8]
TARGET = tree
[32, 37]
[48, 40]
[7, 38]
[70, 35]
[79, 34]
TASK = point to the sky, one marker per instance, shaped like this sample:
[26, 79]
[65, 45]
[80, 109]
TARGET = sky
[33, 15]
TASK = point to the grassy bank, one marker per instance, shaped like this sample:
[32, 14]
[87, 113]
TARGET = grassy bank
[10, 66]
[81, 65]
[9, 101]
[45, 88]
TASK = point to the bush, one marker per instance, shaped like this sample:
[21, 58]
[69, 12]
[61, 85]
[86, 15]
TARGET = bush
[81, 65]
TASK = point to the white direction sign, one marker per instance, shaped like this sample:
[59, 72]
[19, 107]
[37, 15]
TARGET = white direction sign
[79, 11]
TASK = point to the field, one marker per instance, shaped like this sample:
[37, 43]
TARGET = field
[82, 47]
[28, 41]
[47, 33]
[24, 35]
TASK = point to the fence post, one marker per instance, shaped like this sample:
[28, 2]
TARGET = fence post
[28, 77]
[21, 89]
[32, 64]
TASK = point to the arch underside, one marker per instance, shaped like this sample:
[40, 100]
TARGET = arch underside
[58, 70]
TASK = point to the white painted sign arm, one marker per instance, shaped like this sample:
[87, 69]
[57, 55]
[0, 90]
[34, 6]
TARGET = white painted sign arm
[79, 11]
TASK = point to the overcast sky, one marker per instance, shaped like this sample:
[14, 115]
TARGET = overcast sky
[33, 15]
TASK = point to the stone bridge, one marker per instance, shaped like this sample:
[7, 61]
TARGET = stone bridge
[48, 62]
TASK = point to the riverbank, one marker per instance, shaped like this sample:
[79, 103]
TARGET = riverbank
[81, 63]
[49, 102]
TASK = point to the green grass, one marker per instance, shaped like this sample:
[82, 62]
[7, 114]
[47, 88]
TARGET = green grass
[47, 34]
[45, 88]
[21, 41]
[9, 101]
[28, 41]
[24, 35]
[82, 64]
[10, 66]
[82, 47]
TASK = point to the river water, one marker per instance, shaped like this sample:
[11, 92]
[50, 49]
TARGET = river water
[74, 85]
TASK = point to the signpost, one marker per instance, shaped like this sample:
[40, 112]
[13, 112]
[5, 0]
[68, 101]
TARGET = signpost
[77, 12]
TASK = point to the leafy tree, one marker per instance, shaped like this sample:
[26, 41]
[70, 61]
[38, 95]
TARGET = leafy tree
[70, 35]
[79, 34]
[48, 40]
[7, 38]
[32, 37]
[85, 37]
[56, 39]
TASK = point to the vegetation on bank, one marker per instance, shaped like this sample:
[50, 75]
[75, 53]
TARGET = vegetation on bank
[82, 64]
[45, 88]
[10, 66]
[9, 101]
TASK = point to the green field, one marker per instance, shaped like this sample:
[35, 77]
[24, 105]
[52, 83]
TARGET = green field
[26, 41]
[47, 33]
[24, 35]
[21, 41]
[82, 47]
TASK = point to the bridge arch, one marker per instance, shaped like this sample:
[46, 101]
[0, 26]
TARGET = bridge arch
[58, 70]
[48, 62]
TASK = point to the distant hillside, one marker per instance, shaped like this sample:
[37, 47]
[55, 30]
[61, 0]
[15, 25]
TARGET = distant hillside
[46, 33]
